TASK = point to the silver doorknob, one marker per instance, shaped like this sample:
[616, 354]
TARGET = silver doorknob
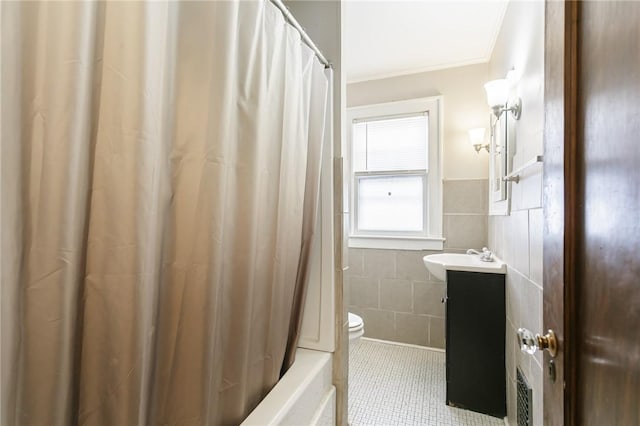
[530, 343]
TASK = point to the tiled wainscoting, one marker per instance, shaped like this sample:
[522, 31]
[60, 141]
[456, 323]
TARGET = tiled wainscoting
[392, 290]
[465, 213]
[518, 238]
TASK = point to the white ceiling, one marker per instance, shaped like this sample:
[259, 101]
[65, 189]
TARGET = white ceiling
[397, 37]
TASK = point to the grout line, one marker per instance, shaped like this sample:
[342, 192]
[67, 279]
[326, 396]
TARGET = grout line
[540, 287]
[465, 214]
[517, 272]
[413, 297]
[535, 359]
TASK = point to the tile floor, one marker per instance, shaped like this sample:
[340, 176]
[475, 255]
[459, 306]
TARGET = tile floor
[401, 385]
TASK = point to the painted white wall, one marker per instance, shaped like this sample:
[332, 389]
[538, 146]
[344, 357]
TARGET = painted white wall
[517, 238]
[322, 21]
[464, 108]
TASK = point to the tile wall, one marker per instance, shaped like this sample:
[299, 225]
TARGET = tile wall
[392, 290]
[517, 238]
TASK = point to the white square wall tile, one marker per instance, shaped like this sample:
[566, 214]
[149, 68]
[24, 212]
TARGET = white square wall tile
[518, 234]
[536, 231]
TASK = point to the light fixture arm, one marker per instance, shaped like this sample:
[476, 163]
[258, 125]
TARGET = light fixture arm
[478, 147]
[515, 108]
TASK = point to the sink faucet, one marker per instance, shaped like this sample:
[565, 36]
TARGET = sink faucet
[485, 255]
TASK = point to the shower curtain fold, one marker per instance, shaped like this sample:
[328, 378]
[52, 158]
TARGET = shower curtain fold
[160, 169]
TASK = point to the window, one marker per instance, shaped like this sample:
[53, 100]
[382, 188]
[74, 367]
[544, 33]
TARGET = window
[390, 169]
[395, 175]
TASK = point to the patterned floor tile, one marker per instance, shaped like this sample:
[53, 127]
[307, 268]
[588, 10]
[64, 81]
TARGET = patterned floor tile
[401, 385]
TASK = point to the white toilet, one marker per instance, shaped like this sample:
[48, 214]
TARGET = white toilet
[356, 328]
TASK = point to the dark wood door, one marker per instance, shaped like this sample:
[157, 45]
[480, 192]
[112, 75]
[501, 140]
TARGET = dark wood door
[608, 258]
[554, 204]
[592, 212]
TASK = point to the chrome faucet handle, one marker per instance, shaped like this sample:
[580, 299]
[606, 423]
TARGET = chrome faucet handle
[486, 255]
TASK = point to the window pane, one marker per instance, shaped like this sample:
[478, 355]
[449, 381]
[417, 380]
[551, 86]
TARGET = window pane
[391, 144]
[390, 203]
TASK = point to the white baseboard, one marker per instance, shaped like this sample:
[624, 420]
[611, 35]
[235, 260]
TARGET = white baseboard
[388, 342]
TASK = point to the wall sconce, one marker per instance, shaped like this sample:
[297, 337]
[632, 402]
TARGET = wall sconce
[476, 138]
[498, 96]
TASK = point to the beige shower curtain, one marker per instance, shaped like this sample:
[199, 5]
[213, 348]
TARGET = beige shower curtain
[160, 168]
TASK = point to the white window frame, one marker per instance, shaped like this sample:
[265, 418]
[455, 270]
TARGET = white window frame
[432, 238]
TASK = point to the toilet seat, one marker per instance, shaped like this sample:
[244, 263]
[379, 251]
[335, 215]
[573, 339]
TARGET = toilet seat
[355, 321]
[356, 326]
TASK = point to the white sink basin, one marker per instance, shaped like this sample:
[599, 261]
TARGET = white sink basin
[438, 264]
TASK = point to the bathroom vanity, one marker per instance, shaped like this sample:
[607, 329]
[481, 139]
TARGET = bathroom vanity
[475, 330]
[475, 342]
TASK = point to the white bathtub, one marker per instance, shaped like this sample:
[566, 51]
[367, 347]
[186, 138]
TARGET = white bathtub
[304, 396]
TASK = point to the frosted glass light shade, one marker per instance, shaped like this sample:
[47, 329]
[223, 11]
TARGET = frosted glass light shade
[476, 136]
[497, 92]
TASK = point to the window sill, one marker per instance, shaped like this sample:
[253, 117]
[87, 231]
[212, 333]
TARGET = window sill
[396, 243]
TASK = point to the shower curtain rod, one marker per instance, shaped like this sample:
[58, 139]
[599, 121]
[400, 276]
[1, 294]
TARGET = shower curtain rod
[305, 37]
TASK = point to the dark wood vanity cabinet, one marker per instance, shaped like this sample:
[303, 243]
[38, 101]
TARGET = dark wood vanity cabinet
[475, 342]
